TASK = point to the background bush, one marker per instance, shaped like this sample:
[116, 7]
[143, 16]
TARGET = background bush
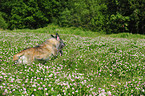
[3, 24]
[85, 13]
[29, 13]
[110, 16]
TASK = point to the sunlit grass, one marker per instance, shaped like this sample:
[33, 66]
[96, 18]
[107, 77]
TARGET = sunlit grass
[92, 64]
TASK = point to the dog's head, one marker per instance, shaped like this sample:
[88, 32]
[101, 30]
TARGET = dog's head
[57, 37]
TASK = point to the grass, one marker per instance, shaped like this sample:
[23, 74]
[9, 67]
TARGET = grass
[92, 64]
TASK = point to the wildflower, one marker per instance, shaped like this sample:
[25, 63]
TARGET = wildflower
[4, 94]
[39, 88]
[12, 81]
[99, 88]
[3, 74]
[49, 85]
[109, 93]
[24, 89]
[13, 90]
[25, 92]
[10, 92]
[63, 90]
[33, 85]
[52, 89]
[23, 84]
[6, 91]
[1, 87]
[57, 72]
[38, 78]
[1, 77]
[50, 75]
[119, 83]
[102, 94]
[85, 81]
[103, 90]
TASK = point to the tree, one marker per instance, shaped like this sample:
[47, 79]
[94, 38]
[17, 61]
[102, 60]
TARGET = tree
[137, 23]
[29, 13]
[88, 14]
[3, 23]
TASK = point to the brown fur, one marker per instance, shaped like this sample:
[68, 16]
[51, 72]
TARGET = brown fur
[44, 51]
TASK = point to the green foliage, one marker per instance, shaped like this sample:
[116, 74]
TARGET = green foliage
[84, 13]
[3, 23]
[137, 24]
[118, 23]
[131, 15]
[29, 14]
[127, 35]
[110, 16]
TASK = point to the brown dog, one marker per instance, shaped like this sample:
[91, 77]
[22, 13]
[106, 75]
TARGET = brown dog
[44, 51]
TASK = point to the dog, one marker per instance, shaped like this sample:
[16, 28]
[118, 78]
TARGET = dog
[44, 51]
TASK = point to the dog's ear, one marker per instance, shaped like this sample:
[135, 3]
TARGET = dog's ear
[52, 36]
[57, 37]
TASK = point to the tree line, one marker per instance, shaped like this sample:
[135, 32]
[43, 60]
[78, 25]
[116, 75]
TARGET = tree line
[110, 16]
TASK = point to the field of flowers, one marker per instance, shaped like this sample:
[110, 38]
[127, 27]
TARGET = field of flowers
[89, 66]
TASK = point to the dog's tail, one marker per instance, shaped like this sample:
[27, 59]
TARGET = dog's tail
[16, 57]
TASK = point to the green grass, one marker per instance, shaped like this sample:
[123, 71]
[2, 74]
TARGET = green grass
[92, 64]
[128, 35]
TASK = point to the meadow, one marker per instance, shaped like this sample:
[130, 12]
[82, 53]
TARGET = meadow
[93, 64]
